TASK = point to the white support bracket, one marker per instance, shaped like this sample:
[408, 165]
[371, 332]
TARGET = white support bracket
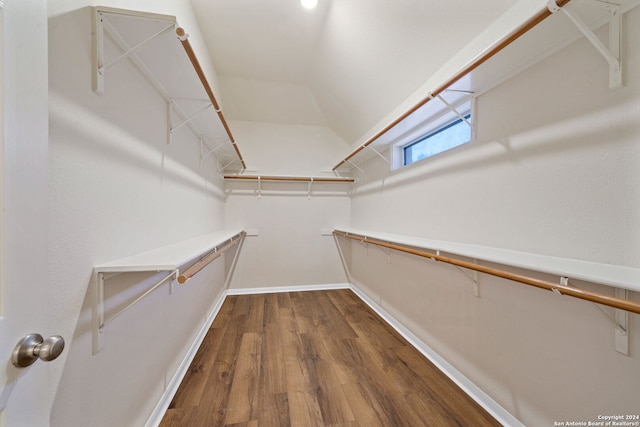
[204, 155]
[452, 108]
[259, 187]
[620, 320]
[357, 167]
[622, 325]
[169, 120]
[364, 244]
[378, 153]
[611, 53]
[226, 165]
[309, 188]
[232, 268]
[387, 251]
[345, 265]
[98, 52]
[476, 281]
[190, 118]
[99, 320]
[105, 22]
[473, 275]
[102, 24]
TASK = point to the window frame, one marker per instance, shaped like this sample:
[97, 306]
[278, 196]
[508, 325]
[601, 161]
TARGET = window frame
[437, 131]
[436, 123]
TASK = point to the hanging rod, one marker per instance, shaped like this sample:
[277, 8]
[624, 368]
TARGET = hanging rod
[207, 259]
[287, 178]
[184, 39]
[597, 297]
[493, 50]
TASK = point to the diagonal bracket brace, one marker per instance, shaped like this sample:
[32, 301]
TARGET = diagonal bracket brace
[378, 153]
[622, 322]
[452, 108]
[188, 119]
[357, 167]
[611, 53]
[619, 320]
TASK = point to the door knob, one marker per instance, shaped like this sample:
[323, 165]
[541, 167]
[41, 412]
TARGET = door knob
[33, 347]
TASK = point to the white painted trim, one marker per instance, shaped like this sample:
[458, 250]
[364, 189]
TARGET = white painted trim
[172, 387]
[491, 406]
[300, 288]
[483, 399]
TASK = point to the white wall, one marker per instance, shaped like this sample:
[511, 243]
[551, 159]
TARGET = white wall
[289, 249]
[553, 171]
[116, 189]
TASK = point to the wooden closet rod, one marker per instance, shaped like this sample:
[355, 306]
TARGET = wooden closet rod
[597, 297]
[532, 22]
[287, 178]
[182, 36]
[208, 259]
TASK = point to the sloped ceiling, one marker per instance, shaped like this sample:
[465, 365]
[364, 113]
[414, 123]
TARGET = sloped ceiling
[344, 65]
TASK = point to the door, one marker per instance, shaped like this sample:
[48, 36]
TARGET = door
[24, 392]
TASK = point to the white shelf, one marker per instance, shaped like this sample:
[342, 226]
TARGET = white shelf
[268, 184]
[606, 274]
[168, 258]
[151, 43]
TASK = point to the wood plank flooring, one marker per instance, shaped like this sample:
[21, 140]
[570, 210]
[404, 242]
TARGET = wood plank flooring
[319, 358]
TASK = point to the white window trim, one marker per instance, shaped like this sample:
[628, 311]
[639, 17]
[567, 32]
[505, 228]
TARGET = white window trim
[444, 116]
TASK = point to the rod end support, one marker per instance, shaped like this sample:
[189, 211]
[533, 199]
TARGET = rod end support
[182, 34]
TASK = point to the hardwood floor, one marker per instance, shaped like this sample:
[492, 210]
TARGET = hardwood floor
[320, 358]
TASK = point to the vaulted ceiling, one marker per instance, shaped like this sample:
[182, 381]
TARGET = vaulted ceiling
[344, 64]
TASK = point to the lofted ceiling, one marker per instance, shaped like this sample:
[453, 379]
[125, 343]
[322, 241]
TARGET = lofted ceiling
[344, 64]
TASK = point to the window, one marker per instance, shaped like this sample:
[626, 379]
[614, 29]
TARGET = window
[441, 139]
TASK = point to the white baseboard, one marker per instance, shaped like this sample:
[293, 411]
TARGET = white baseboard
[172, 387]
[276, 289]
[483, 399]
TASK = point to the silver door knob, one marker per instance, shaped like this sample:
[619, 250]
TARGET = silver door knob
[33, 347]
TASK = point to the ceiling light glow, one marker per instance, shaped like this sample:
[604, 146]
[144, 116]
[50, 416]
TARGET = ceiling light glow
[309, 4]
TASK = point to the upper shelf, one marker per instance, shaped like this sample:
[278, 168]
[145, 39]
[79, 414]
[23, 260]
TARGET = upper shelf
[593, 272]
[161, 51]
[289, 178]
[314, 184]
[171, 257]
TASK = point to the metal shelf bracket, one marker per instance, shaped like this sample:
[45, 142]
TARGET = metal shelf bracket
[357, 167]
[203, 155]
[378, 153]
[100, 318]
[188, 119]
[622, 325]
[611, 53]
[104, 22]
[452, 108]
[619, 320]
